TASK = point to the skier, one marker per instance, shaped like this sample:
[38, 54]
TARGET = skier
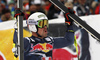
[39, 46]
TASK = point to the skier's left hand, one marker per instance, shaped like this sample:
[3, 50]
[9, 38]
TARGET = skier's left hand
[68, 20]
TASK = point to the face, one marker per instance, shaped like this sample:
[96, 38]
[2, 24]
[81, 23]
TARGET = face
[32, 8]
[0, 9]
[8, 15]
[82, 2]
[43, 31]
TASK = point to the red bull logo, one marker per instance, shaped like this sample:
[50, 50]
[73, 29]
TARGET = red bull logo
[45, 47]
[2, 57]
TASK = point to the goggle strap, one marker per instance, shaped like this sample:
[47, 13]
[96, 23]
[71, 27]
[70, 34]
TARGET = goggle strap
[32, 22]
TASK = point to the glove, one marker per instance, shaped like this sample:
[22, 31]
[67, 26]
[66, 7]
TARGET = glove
[14, 50]
[18, 12]
[68, 20]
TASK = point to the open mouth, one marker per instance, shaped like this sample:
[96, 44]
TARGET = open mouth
[45, 31]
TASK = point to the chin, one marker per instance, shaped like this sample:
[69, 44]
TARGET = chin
[45, 35]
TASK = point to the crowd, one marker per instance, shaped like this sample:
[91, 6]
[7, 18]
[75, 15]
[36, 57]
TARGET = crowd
[81, 7]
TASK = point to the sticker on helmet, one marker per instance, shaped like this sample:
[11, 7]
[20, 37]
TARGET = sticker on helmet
[41, 16]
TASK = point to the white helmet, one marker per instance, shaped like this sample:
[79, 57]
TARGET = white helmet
[33, 20]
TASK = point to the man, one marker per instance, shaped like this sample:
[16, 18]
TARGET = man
[82, 8]
[39, 46]
[6, 15]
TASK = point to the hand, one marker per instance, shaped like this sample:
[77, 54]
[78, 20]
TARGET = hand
[68, 20]
[14, 49]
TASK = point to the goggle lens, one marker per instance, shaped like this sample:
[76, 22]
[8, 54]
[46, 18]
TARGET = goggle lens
[42, 23]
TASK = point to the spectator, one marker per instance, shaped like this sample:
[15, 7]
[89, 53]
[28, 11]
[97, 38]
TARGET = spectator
[32, 8]
[93, 6]
[38, 4]
[75, 2]
[11, 6]
[97, 10]
[2, 4]
[25, 5]
[68, 5]
[35, 6]
[26, 9]
[29, 11]
[82, 8]
[47, 5]
[6, 15]
[1, 10]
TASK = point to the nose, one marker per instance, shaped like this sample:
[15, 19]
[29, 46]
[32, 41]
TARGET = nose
[45, 26]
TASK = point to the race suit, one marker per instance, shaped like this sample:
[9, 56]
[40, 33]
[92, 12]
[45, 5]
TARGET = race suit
[41, 49]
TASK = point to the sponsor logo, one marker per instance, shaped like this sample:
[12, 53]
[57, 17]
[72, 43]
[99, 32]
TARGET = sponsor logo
[45, 47]
[41, 16]
[2, 57]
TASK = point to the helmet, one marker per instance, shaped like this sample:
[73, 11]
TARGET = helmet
[33, 20]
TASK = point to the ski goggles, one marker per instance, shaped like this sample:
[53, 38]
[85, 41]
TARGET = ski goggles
[40, 23]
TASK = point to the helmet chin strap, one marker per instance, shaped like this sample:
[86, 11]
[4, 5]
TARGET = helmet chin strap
[38, 34]
[37, 31]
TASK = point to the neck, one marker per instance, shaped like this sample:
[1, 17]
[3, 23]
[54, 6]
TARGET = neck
[35, 34]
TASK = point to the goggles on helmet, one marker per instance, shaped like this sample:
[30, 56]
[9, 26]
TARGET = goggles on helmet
[42, 23]
[39, 23]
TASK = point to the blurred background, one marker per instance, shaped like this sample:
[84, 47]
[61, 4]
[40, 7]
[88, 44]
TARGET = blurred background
[81, 7]
[87, 10]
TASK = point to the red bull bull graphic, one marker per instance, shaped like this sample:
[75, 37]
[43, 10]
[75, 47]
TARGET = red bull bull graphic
[67, 53]
[6, 43]
[45, 47]
[2, 57]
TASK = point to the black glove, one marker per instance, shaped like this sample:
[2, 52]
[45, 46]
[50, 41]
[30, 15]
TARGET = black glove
[18, 12]
[68, 20]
